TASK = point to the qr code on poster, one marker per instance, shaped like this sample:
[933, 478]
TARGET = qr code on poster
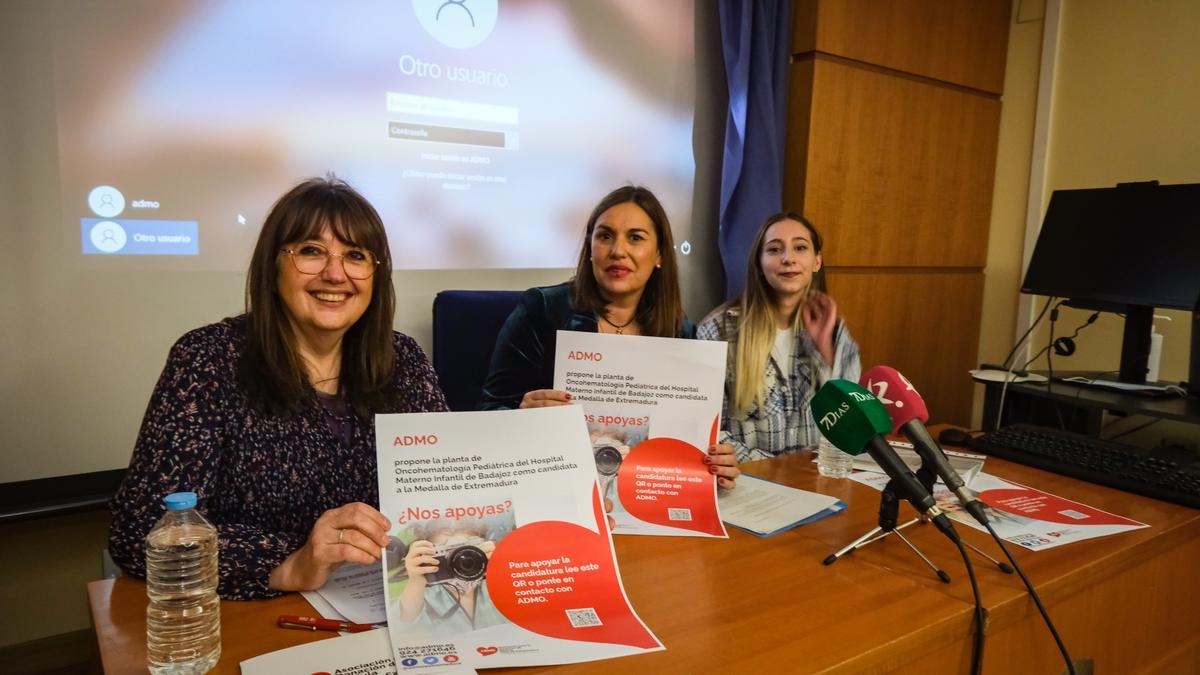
[583, 618]
[679, 514]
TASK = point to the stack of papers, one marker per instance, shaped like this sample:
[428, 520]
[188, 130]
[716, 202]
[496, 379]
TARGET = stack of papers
[966, 464]
[764, 508]
[368, 653]
[352, 593]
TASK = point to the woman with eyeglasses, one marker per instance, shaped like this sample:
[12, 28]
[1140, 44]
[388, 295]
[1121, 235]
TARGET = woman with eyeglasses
[269, 416]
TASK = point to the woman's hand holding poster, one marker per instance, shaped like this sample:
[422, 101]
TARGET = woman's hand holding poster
[653, 407]
[506, 558]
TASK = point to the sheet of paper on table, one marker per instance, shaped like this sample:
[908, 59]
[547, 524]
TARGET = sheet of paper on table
[368, 653]
[353, 592]
[764, 508]
[967, 464]
[322, 606]
[1023, 515]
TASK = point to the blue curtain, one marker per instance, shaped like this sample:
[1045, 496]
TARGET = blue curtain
[756, 43]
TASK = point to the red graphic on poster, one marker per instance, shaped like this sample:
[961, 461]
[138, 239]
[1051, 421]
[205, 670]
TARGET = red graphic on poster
[665, 481]
[1047, 507]
[558, 579]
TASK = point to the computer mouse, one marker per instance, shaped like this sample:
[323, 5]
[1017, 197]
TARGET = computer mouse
[952, 436]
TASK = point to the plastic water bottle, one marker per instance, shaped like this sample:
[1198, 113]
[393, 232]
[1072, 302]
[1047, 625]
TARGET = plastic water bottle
[832, 462]
[183, 619]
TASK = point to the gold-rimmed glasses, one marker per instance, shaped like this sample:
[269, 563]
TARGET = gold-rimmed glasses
[312, 258]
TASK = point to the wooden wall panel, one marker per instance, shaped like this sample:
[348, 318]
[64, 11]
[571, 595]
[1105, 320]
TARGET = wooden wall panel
[924, 323]
[894, 118]
[964, 42]
[795, 158]
[898, 172]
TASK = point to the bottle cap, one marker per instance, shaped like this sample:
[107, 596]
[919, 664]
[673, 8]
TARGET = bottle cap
[179, 501]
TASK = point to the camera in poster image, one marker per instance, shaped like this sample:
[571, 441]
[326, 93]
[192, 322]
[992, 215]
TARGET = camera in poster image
[447, 557]
[106, 201]
[460, 24]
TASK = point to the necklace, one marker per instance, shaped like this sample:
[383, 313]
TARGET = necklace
[331, 374]
[620, 327]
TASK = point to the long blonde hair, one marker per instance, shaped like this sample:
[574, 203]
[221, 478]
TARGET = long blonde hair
[758, 303]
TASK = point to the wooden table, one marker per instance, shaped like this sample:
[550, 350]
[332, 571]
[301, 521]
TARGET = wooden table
[747, 604]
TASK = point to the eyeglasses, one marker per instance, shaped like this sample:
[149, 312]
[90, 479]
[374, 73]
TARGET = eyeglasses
[313, 258]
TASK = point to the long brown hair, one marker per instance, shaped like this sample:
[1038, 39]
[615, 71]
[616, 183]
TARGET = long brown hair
[271, 371]
[660, 310]
[758, 303]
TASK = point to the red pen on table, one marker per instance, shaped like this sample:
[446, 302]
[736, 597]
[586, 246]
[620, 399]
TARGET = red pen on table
[310, 623]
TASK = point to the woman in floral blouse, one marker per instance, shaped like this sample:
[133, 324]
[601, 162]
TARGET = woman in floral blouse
[269, 416]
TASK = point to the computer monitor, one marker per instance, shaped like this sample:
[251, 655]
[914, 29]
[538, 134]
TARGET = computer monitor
[1127, 249]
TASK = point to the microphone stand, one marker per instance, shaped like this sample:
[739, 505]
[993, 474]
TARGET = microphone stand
[889, 511]
[928, 478]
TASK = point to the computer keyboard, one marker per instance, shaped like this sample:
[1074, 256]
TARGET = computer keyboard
[1169, 473]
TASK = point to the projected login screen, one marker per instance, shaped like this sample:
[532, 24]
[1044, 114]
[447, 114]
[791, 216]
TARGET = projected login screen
[483, 131]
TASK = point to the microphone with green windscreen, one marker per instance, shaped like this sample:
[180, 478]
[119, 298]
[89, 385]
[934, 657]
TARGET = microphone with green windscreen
[854, 421]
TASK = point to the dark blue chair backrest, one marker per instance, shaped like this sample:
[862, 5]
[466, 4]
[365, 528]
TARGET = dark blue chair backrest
[465, 325]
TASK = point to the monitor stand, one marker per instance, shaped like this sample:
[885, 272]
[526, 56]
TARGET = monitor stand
[1135, 345]
[1135, 349]
[1193, 381]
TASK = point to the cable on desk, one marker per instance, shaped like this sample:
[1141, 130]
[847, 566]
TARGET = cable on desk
[1021, 341]
[1050, 368]
[1036, 600]
[977, 646]
[1137, 428]
[1091, 319]
[1012, 366]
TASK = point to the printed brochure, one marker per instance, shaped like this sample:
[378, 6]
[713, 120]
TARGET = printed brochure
[653, 407]
[502, 553]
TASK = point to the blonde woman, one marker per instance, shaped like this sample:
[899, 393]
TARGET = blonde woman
[785, 340]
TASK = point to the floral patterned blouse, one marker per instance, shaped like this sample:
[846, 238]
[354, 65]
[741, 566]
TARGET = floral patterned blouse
[261, 479]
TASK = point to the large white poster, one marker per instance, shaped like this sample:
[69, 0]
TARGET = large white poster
[653, 406]
[1023, 515]
[507, 558]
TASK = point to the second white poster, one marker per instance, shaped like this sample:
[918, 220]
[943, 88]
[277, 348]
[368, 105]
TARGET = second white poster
[653, 407]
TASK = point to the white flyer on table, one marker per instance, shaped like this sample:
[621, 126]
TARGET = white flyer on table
[507, 559]
[653, 406]
[764, 508]
[967, 464]
[1031, 518]
[366, 653]
[353, 592]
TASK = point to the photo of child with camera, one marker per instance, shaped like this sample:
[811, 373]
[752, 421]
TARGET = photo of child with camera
[949, 503]
[610, 446]
[444, 570]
